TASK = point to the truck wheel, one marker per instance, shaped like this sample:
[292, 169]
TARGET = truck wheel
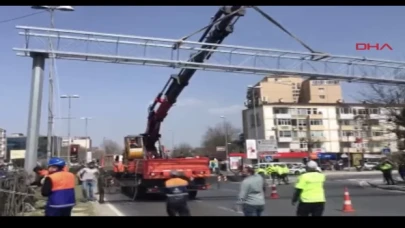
[192, 195]
[297, 173]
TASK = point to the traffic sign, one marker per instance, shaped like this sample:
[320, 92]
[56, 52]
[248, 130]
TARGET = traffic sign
[267, 145]
[386, 150]
[268, 158]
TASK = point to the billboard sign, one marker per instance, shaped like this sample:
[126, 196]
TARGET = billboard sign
[251, 149]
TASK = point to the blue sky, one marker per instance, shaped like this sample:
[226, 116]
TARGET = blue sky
[116, 96]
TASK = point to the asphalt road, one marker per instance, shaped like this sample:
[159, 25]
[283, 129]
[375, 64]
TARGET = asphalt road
[366, 201]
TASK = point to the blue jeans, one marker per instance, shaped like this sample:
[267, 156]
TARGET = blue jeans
[89, 186]
[252, 210]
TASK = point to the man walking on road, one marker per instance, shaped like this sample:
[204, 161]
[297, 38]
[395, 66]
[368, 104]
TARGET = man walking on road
[309, 191]
[251, 195]
[88, 176]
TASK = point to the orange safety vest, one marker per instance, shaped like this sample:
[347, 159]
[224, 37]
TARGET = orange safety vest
[118, 167]
[63, 190]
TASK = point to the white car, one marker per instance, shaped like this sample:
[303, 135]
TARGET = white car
[370, 165]
[297, 170]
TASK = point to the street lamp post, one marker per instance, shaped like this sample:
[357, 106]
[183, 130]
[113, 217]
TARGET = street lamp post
[69, 97]
[51, 10]
[253, 91]
[86, 125]
[226, 141]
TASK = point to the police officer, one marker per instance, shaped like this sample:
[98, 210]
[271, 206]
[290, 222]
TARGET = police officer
[177, 195]
[386, 169]
[271, 170]
[59, 187]
[279, 172]
[309, 191]
[284, 170]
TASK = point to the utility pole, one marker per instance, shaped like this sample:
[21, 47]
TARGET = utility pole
[309, 136]
[51, 10]
[253, 91]
[86, 125]
[226, 142]
[69, 118]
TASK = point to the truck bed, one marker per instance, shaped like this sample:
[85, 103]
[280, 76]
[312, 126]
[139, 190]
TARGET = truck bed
[189, 167]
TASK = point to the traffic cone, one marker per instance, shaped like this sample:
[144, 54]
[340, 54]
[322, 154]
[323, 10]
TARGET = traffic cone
[347, 203]
[274, 194]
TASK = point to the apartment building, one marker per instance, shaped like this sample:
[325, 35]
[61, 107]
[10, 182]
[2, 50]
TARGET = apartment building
[327, 127]
[3, 144]
[84, 142]
[293, 90]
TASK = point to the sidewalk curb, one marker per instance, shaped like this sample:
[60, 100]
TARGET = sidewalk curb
[387, 187]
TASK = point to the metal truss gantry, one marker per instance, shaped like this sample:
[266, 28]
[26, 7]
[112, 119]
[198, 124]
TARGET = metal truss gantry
[138, 50]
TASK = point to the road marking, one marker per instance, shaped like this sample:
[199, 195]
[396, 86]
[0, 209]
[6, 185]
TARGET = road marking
[115, 210]
[229, 210]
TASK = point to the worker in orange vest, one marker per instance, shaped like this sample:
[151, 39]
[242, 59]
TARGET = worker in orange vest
[59, 187]
[118, 167]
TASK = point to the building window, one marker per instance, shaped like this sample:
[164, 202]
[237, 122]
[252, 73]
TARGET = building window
[316, 122]
[285, 134]
[303, 145]
[378, 133]
[322, 96]
[302, 123]
[347, 133]
[321, 90]
[283, 122]
[362, 111]
[302, 111]
[346, 111]
[317, 133]
[347, 122]
[346, 144]
[281, 110]
[374, 111]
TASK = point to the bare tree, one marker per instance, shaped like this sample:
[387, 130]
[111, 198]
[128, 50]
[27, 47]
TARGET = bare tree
[215, 136]
[387, 96]
[182, 150]
[110, 147]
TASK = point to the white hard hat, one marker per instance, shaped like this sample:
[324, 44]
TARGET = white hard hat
[312, 165]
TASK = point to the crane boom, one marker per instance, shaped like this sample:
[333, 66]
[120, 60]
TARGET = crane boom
[220, 28]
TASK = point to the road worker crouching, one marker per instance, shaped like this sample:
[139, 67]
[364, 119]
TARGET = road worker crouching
[59, 187]
[177, 195]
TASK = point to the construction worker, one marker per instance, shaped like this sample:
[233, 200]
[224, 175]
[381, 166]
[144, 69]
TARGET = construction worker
[309, 191]
[177, 195]
[386, 169]
[59, 187]
[271, 171]
[284, 170]
[118, 167]
[251, 194]
[279, 171]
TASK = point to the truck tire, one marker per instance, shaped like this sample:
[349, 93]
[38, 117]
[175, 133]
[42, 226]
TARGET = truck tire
[296, 173]
[192, 195]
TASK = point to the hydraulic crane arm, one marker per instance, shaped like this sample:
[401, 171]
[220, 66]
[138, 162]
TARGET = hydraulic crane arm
[220, 28]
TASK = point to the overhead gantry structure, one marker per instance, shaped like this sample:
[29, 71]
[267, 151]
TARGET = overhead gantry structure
[189, 56]
[150, 51]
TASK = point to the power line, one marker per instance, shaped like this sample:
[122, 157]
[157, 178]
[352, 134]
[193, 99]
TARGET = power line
[21, 17]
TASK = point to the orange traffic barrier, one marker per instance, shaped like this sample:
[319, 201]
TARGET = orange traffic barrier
[347, 203]
[274, 194]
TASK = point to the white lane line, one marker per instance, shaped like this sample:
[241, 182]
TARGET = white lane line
[219, 207]
[115, 210]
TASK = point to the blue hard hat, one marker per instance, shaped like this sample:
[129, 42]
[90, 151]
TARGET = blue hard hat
[56, 162]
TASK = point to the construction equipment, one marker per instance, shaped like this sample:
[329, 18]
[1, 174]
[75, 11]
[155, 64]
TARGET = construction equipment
[144, 159]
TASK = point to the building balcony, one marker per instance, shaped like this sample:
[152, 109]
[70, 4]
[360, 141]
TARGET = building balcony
[344, 116]
[378, 138]
[347, 139]
[347, 127]
[317, 128]
[316, 116]
[283, 116]
[285, 139]
[350, 150]
[284, 127]
[377, 116]
[318, 138]
[299, 116]
[377, 127]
